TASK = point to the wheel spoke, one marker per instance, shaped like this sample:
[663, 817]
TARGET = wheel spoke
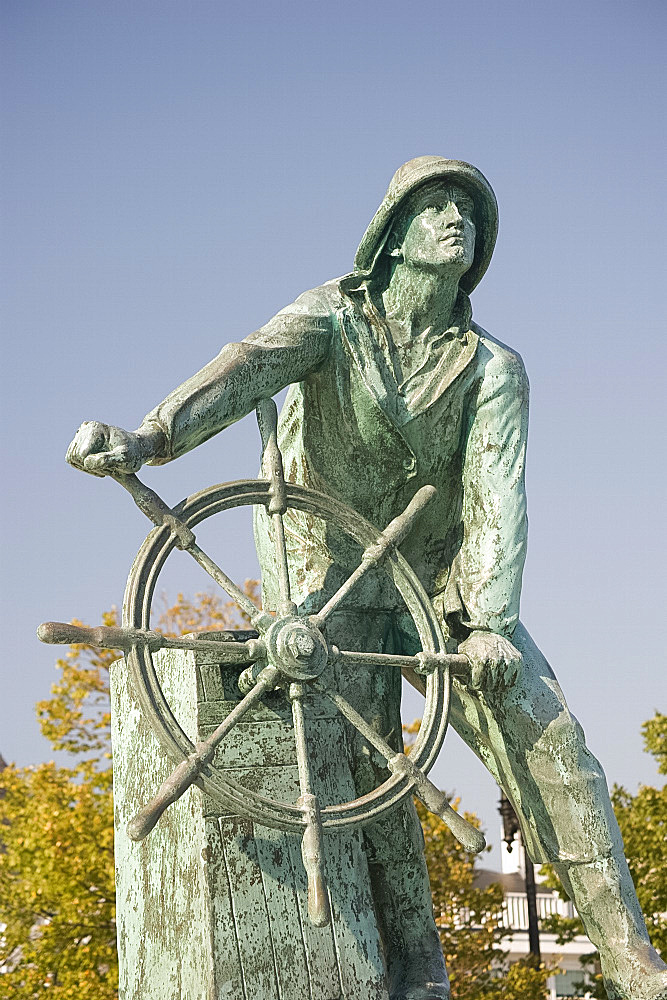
[375, 553]
[162, 515]
[117, 637]
[422, 663]
[260, 619]
[400, 764]
[272, 466]
[303, 763]
[189, 770]
[312, 843]
[358, 722]
[287, 605]
[437, 802]
[156, 510]
[347, 657]
[266, 681]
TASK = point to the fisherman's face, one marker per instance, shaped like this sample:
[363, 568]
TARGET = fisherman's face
[438, 230]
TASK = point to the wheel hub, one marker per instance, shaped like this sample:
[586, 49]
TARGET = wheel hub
[297, 649]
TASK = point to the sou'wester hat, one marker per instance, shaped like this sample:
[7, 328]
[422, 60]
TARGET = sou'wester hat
[413, 175]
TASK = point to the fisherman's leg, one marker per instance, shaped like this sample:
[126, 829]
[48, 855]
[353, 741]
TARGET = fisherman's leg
[536, 750]
[394, 844]
[404, 907]
[605, 898]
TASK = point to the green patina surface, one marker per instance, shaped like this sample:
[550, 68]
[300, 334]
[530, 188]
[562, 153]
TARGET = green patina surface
[393, 388]
[210, 906]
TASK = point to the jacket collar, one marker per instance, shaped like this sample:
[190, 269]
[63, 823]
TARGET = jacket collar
[446, 356]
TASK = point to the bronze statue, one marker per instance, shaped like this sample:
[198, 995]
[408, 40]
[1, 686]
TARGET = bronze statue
[393, 387]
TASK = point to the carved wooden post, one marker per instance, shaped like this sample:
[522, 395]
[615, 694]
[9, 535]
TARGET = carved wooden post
[210, 906]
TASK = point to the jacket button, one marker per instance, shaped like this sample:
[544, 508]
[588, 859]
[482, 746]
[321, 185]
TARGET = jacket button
[409, 464]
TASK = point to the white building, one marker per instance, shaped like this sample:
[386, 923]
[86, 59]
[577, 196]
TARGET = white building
[512, 879]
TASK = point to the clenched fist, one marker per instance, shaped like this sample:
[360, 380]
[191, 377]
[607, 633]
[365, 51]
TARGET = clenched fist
[102, 449]
[494, 661]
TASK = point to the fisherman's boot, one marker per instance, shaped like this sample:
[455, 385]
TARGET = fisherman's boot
[605, 898]
[404, 908]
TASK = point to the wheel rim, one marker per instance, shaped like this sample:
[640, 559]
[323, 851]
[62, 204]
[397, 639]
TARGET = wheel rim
[223, 789]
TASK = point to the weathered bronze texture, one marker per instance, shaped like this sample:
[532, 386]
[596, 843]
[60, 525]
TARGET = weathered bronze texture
[291, 652]
[399, 405]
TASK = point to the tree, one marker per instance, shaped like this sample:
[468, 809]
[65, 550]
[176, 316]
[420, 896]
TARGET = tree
[643, 822]
[470, 923]
[57, 894]
[470, 919]
[57, 883]
[207, 611]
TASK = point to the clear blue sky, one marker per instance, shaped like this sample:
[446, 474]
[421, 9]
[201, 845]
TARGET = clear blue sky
[174, 173]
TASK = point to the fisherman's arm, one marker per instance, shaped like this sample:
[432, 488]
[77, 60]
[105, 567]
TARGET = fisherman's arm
[287, 349]
[489, 566]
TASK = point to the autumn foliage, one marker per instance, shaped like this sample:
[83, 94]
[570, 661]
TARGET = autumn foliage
[470, 920]
[57, 893]
[470, 923]
[643, 821]
[57, 884]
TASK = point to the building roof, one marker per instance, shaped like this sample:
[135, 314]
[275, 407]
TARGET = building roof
[513, 882]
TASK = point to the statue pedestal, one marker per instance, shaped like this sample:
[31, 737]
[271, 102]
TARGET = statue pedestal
[211, 906]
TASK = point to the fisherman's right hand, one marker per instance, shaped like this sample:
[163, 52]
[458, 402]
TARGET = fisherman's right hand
[102, 449]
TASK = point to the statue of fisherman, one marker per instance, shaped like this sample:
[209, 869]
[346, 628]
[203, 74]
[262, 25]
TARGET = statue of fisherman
[392, 387]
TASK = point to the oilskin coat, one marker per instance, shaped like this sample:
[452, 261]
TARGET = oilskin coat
[356, 428]
[349, 430]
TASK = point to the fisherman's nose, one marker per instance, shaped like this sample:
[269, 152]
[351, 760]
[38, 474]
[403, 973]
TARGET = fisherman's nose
[453, 216]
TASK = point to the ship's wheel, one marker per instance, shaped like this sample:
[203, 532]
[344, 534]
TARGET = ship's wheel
[292, 655]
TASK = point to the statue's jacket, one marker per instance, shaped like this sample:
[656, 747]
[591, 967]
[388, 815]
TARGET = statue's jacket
[350, 430]
[355, 428]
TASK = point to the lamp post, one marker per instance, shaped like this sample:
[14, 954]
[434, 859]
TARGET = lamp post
[510, 830]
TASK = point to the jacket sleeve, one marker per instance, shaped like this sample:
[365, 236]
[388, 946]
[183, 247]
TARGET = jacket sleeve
[287, 349]
[485, 583]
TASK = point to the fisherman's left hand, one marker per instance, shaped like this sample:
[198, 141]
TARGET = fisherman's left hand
[494, 661]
